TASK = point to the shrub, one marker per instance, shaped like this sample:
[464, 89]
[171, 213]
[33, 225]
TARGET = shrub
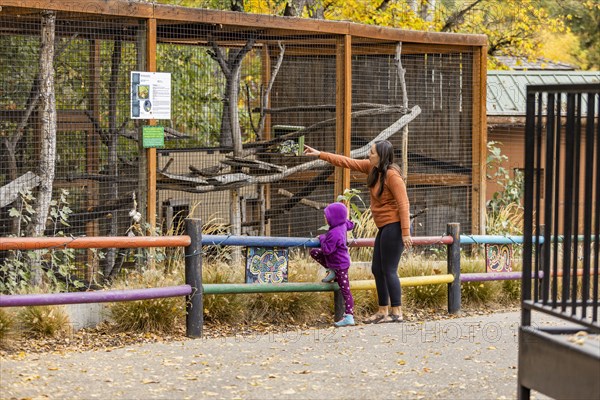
[163, 315]
[507, 220]
[58, 263]
[511, 187]
[478, 292]
[222, 308]
[511, 289]
[6, 324]
[295, 307]
[365, 302]
[425, 295]
[364, 228]
[44, 320]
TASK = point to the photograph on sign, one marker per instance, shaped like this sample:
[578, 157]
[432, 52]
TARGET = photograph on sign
[150, 95]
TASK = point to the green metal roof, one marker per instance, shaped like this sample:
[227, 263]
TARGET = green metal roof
[506, 90]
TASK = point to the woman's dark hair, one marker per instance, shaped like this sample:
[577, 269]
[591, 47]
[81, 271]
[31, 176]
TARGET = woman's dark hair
[385, 150]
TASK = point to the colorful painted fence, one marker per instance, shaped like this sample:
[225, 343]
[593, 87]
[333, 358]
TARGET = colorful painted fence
[194, 289]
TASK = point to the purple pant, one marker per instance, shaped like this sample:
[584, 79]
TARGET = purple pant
[341, 276]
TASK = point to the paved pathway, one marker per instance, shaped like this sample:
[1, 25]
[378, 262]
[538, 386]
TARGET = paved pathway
[463, 358]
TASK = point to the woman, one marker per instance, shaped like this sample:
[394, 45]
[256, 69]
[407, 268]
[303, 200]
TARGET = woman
[390, 210]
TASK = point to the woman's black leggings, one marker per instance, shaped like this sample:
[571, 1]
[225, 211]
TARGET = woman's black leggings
[386, 256]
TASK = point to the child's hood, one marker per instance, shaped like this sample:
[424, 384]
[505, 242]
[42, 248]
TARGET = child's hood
[337, 214]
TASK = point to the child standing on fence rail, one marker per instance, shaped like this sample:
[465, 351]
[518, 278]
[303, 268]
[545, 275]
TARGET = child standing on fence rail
[334, 256]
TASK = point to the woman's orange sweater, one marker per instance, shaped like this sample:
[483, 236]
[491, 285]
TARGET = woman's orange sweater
[392, 205]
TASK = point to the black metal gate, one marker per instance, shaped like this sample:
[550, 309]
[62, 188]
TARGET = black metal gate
[560, 257]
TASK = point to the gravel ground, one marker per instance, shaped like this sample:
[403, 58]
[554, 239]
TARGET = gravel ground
[472, 357]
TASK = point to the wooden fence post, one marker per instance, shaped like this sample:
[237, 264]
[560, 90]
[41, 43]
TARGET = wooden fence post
[453, 230]
[193, 276]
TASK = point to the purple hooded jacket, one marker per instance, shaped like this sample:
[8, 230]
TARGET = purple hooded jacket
[333, 243]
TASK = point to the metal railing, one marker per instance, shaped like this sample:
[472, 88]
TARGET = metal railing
[562, 194]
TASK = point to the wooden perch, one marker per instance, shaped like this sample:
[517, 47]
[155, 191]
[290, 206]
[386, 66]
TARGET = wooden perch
[230, 178]
[167, 165]
[208, 171]
[10, 192]
[224, 182]
[317, 205]
[172, 133]
[184, 179]
[320, 107]
[323, 124]
[303, 193]
[253, 166]
[101, 178]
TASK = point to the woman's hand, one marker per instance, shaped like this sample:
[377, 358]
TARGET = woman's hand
[309, 151]
[407, 240]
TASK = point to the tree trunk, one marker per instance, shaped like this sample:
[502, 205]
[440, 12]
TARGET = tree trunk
[231, 132]
[112, 144]
[427, 10]
[234, 114]
[401, 73]
[235, 212]
[226, 139]
[414, 6]
[294, 8]
[47, 136]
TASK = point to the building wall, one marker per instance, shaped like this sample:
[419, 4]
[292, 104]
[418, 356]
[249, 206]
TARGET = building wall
[512, 141]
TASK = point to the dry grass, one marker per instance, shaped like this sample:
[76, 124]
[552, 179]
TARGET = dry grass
[7, 322]
[44, 321]
[364, 228]
[478, 292]
[163, 315]
[506, 221]
[425, 295]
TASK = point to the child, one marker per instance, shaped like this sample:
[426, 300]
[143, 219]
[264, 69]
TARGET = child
[333, 255]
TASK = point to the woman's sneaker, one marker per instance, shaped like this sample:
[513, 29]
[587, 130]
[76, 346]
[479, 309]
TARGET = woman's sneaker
[348, 320]
[330, 276]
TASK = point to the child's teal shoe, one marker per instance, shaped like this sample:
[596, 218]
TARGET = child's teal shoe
[348, 320]
[330, 276]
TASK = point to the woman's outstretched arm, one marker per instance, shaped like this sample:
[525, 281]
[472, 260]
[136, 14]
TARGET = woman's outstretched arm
[339, 161]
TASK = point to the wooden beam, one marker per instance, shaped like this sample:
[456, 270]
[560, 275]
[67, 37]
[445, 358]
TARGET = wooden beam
[312, 50]
[347, 111]
[93, 142]
[438, 180]
[479, 141]
[224, 19]
[343, 95]
[416, 179]
[268, 22]
[67, 119]
[311, 46]
[265, 191]
[103, 7]
[317, 205]
[92, 153]
[151, 152]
